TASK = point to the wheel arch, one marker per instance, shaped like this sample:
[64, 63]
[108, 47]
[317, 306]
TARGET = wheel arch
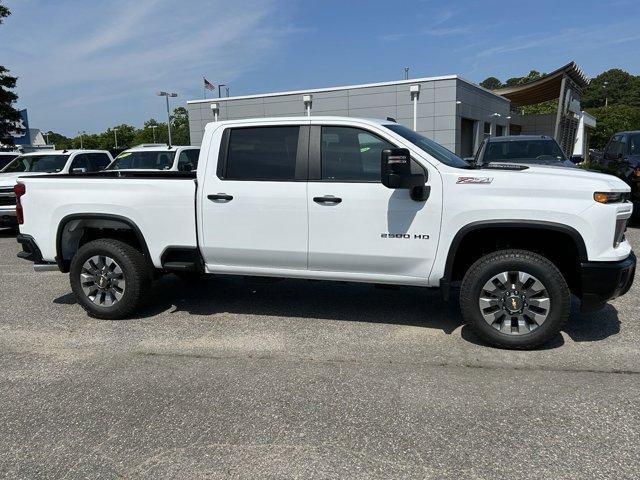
[517, 227]
[72, 229]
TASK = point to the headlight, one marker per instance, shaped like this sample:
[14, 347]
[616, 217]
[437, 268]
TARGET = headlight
[611, 197]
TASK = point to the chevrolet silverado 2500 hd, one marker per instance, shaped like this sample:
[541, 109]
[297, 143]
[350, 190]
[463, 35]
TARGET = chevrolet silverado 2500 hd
[341, 199]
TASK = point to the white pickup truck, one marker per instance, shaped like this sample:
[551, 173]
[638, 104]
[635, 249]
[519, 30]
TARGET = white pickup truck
[343, 199]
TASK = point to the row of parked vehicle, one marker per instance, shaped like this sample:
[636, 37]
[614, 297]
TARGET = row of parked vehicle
[60, 162]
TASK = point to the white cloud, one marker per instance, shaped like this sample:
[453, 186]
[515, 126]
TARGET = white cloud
[89, 66]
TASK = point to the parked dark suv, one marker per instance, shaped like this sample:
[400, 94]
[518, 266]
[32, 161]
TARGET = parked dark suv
[621, 157]
[526, 149]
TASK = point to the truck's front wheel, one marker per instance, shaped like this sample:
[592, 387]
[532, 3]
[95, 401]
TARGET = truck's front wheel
[515, 299]
[109, 278]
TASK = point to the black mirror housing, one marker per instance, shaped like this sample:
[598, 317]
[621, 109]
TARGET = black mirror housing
[395, 169]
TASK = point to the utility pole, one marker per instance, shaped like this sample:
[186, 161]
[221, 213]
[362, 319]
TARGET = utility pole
[167, 95]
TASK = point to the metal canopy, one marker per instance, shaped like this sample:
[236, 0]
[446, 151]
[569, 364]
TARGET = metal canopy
[545, 88]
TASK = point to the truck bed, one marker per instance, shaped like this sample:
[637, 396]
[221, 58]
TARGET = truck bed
[161, 205]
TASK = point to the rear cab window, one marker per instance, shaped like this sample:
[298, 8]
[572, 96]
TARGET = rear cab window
[260, 153]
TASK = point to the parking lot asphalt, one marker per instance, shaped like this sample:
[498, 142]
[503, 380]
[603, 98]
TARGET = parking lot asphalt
[297, 379]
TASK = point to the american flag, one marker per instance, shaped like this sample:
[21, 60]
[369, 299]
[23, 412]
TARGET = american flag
[208, 85]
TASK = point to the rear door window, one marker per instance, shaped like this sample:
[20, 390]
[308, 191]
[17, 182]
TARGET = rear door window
[262, 153]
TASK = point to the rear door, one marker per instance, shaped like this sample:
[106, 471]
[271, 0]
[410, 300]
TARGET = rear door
[254, 206]
[356, 224]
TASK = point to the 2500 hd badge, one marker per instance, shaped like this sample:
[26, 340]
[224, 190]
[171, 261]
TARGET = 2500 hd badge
[416, 236]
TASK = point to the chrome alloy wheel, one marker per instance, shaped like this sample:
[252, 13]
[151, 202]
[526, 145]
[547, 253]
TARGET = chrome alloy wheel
[515, 303]
[102, 280]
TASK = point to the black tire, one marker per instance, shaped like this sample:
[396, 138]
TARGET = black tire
[484, 269]
[135, 271]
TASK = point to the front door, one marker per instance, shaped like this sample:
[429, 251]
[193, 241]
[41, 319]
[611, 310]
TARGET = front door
[358, 225]
[254, 207]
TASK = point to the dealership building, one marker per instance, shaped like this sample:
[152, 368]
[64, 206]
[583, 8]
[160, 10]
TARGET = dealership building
[454, 112]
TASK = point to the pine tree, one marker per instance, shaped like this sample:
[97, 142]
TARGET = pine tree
[9, 116]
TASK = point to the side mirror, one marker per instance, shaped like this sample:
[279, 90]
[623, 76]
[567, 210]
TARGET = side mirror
[78, 170]
[395, 170]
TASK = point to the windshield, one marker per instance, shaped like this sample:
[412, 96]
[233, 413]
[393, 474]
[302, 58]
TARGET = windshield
[36, 163]
[523, 151]
[434, 149]
[154, 160]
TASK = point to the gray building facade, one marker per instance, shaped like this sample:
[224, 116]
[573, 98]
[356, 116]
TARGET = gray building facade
[450, 110]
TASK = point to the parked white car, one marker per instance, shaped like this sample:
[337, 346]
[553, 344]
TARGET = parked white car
[157, 157]
[49, 162]
[345, 199]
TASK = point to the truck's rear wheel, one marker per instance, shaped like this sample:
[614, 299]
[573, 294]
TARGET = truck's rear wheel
[515, 299]
[109, 278]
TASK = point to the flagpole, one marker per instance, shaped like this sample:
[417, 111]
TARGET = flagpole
[204, 90]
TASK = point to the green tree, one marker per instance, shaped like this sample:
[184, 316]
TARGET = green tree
[615, 86]
[180, 127]
[491, 83]
[612, 119]
[60, 141]
[9, 116]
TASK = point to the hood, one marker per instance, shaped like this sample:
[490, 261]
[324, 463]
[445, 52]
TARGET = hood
[570, 178]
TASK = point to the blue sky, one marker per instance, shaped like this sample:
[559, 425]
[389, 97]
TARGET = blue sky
[88, 65]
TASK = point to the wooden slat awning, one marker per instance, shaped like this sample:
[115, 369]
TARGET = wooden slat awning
[545, 88]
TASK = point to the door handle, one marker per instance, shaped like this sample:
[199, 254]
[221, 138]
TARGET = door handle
[220, 197]
[327, 199]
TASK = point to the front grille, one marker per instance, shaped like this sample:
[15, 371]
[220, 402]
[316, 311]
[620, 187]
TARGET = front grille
[7, 197]
[621, 228]
[7, 200]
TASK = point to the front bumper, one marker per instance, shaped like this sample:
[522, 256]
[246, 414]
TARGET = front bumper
[604, 281]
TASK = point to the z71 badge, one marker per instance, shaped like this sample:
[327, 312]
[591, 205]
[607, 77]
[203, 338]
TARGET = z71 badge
[475, 180]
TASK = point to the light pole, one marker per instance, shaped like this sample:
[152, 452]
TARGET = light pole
[153, 129]
[215, 108]
[414, 91]
[220, 90]
[606, 97]
[167, 95]
[115, 136]
[81, 133]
